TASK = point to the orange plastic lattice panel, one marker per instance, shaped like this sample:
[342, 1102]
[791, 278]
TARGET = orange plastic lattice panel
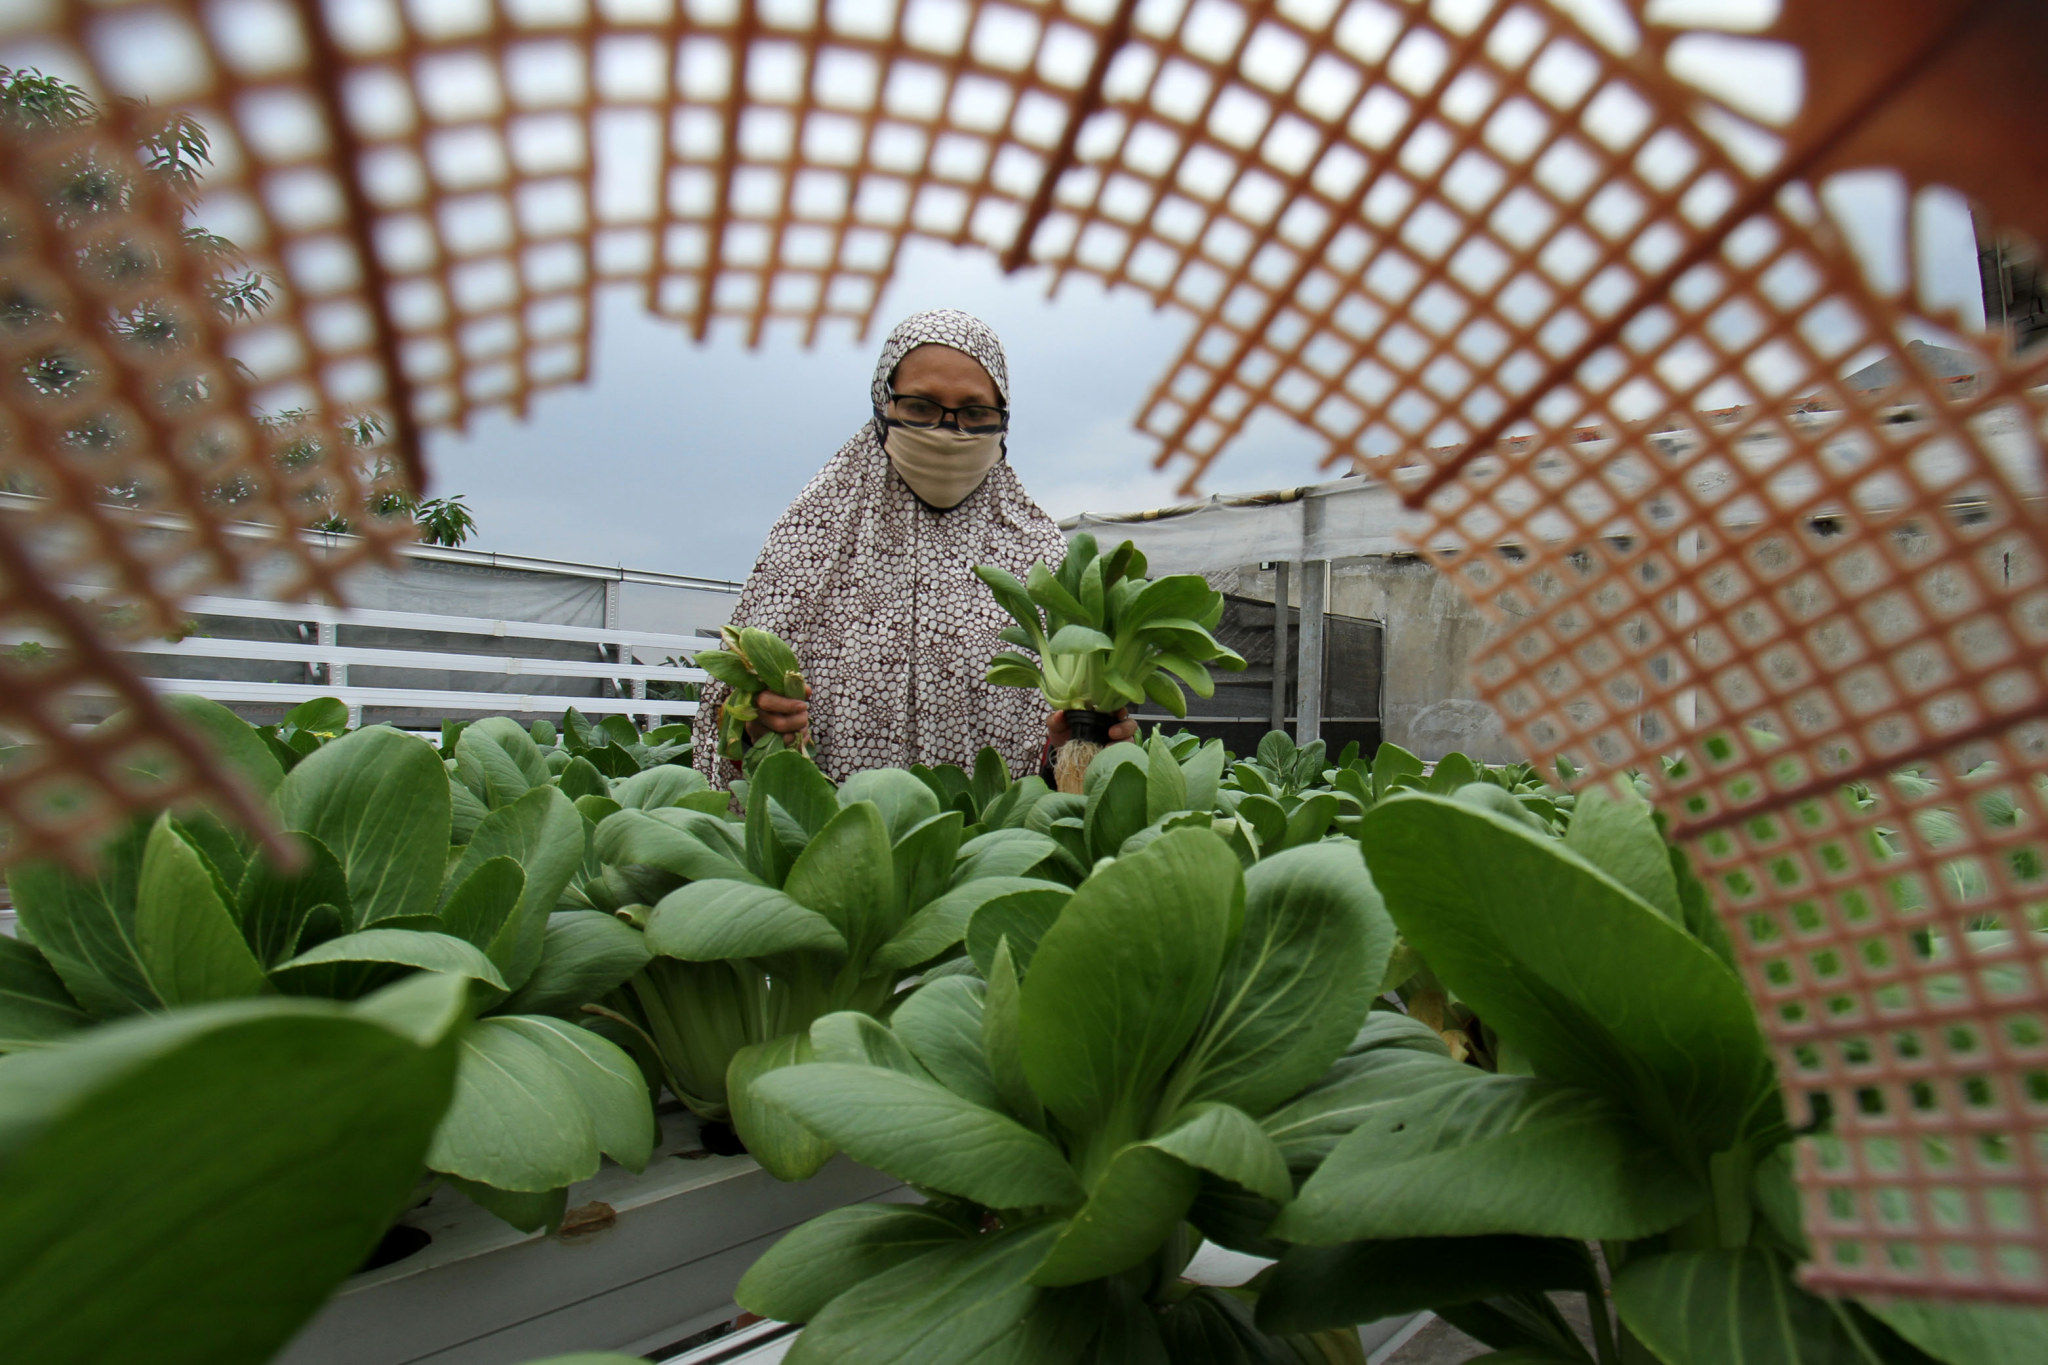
[1547, 268]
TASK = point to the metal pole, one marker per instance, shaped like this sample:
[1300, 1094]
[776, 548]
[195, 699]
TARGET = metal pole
[1278, 719]
[1308, 724]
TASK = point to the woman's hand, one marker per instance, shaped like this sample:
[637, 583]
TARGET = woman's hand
[785, 716]
[1056, 732]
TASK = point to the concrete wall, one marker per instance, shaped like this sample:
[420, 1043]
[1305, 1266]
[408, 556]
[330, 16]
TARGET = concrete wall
[1428, 705]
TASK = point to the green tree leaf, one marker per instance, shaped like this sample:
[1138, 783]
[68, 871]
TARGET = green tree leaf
[923, 1133]
[378, 800]
[1121, 980]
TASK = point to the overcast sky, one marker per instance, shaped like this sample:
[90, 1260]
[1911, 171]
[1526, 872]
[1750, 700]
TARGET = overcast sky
[678, 456]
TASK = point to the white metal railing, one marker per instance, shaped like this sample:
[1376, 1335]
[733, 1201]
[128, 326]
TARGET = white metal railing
[325, 661]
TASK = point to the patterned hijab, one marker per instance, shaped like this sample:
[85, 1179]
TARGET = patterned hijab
[875, 592]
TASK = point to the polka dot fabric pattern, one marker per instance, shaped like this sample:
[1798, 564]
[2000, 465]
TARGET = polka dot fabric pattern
[875, 592]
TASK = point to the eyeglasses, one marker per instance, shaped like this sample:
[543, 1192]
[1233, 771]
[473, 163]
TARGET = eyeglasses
[976, 418]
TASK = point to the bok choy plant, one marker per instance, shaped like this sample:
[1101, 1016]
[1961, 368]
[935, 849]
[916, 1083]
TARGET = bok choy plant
[180, 910]
[1066, 1115]
[820, 900]
[752, 662]
[1637, 1107]
[1106, 638]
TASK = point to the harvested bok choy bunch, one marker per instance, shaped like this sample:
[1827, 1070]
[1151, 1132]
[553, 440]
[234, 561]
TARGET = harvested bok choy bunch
[752, 662]
[1106, 638]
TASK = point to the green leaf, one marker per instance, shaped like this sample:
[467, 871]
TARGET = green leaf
[785, 1148]
[528, 1212]
[940, 1022]
[840, 1251]
[273, 905]
[706, 921]
[1182, 595]
[585, 956]
[34, 1006]
[683, 843]
[429, 952]
[1116, 811]
[86, 928]
[923, 859]
[1121, 980]
[378, 800]
[942, 923]
[1696, 1307]
[862, 1040]
[1390, 763]
[1011, 595]
[543, 832]
[905, 802]
[1135, 1205]
[1021, 914]
[792, 782]
[1203, 772]
[510, 736]
[466, 811]
[1166, 787]
[1591, 983]
[1225, 1141]
[1316, 1288]
[490, 772]
[322, 715]
[1299, 979]
[481, 909]
[1619, 836]
[1001, 1026]
[847, 874]
[1487, 1154]
[1061, 605]
[923, 1133]
[1078, 639]
[1310, 820]
[665, 784]
[959, 1302]
[536, 1101]
[233, 740]
[1967, 1333]
[189, 1189]
[1001, 853]
[579, 779]
[187, 941]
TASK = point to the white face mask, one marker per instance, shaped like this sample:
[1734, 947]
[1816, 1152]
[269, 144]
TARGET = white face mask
[941, 465]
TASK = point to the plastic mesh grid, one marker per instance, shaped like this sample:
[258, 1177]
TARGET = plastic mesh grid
[1588, 317]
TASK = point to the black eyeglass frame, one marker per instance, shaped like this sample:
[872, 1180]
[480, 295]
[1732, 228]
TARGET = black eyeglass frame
[944, 413]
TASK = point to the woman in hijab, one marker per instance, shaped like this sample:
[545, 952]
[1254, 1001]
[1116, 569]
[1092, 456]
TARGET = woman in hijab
[868, 575]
